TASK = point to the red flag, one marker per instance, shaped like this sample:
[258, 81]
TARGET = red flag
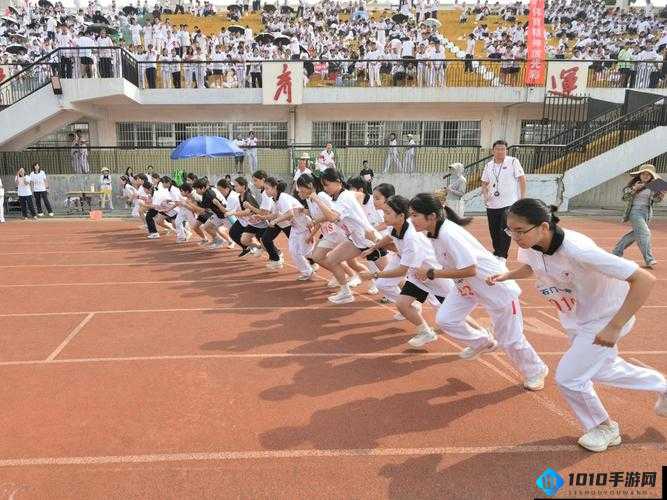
[536, 40]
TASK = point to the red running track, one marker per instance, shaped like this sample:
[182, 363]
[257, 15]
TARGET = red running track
[146, 369]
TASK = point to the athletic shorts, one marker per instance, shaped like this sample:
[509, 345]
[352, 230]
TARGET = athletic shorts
[412, 290]
[203, 217]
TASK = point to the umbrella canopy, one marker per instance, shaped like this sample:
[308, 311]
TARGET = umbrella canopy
[9, 20]
[206, 146]
[264, 38]
[270, 8]
[281, 40]
[100, 19]
[433, 22]
[286, 9]
[14, 10]
[235, 28]
[16, 49]
[235, 7]
[128, 10]
[45, 3]
[399, 18]
[360, 14]
[97, 28]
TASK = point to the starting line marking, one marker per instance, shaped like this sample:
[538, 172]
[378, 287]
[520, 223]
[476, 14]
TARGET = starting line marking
[69, 338]
[335, 453]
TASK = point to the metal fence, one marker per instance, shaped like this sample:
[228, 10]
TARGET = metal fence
[278, 161]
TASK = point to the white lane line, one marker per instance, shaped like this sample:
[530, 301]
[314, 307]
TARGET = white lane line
[334, 453]
[69, 338]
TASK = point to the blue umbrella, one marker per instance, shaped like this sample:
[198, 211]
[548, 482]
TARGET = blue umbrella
[360, 14]
[207, 146]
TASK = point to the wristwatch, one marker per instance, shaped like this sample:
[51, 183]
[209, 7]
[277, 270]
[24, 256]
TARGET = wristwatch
[375, 275]
[430, 273]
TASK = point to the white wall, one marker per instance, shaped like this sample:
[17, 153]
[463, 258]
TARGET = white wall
[546, 187]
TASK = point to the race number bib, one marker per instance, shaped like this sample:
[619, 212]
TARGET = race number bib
[561, 298]
[464, 289]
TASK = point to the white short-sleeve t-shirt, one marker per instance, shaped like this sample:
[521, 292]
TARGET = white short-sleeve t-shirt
[456, 248]
[327, 228]
[38, 180]
[584, 283]
[352, 219]
[283, 204]
[503, 179]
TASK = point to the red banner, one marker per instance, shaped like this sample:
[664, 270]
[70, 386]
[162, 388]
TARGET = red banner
[536, 40]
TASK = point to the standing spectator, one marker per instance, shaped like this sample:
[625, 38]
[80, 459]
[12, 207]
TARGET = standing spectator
[74, 153]
[85, 44]
[251, 151]
[238, 160]
[326, 158]
[503, 183]
[409, 162]
[2, 203]
[40, 188]
[82, 145]
[639, 201]
[105, 55]
[392, 154]
[456, 189]
[106, 189]
[302, 168]
[25, 194]
[150, 66]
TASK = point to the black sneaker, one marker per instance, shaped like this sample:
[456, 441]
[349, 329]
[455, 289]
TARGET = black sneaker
[244, 252]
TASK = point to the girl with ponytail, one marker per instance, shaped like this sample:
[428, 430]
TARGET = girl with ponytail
[596, 295]
[469, 264]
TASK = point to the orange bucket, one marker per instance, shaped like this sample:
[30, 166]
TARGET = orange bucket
[96, 215]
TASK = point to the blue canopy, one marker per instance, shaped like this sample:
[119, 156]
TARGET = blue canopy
[360, 14]
[206, 146]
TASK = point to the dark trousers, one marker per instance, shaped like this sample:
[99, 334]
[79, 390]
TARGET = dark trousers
[179, 10]
[176, 79]
[256, 80]
[39, 196]
[65, 67]
[150, 77]
[468, 64]
[150, 220]
[26, 204]
[235, 233]
[497, 218]
[270, 234]
[105, 67]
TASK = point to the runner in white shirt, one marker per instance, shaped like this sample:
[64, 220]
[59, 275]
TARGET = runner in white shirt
[468, 263]
[596, 295]
[348, 214]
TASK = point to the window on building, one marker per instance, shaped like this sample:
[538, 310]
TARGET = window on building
[60, 137]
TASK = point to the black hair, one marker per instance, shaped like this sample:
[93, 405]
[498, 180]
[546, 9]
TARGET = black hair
[241, 181]
[155, 176]
[260, 174]
[535, 212]
[223, 184]
[191, 176]
[167, 179]
[128, 170]
[125, 178]
[360, 183]
[386, 190]
[186, 187]
[428, 203]
[200, 184]
[635, 179]
[332, 175]
[142, 177]
[500, 142]
[148, 186]
[280, 186]
[399, 204]
[34, 165]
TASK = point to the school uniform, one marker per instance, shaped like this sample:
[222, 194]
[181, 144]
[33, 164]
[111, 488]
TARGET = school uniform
[587, 286]
[352, 219]
[392, 157]
[38, 180]
[25, 195]
[456, 248]
[332, 235]
[243, 224]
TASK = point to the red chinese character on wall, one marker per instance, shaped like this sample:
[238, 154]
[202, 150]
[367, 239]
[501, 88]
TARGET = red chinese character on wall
[568, 78]
[284, 84]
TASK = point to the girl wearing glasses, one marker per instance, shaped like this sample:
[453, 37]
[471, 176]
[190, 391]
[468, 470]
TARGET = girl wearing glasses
[468, 263]
[596, 295]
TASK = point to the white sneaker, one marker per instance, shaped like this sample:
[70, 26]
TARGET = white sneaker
[153, 236]
[344, 296]
[41, 214]
[315, 267]
[354, 282]
[51, 214]
[417, 305]
[427, 335]
[373, 290]
[231, 245]
[215, 245]
[536, 383]
[333, 283]
[304, 277]
[274, 264]
[254, 252]
[181, 239]
[661, 405]
[601, 437]
[471, 353]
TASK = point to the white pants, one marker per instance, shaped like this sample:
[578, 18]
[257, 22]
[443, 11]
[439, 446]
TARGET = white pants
[409, 163]
[585, 363]
[252, 159]
[166, 78]
[184, 215]
[298, 248]
[458, 206]
[392, 158]
[374, 75]
[507, 325]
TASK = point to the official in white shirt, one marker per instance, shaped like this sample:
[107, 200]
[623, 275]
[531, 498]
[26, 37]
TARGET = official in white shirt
[503, 183]
[251, 151]
[596, 295]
